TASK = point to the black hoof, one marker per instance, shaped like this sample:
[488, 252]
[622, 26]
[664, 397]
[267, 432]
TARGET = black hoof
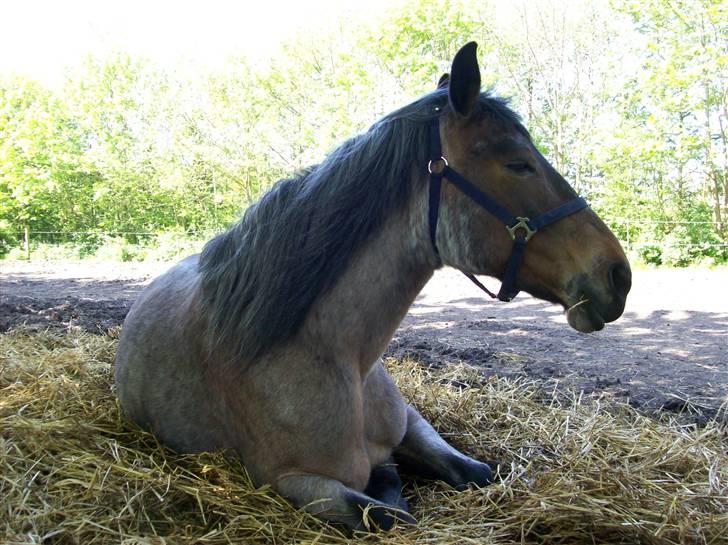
[386, 486]
[466, 471]
[375, 516]
[469, 471]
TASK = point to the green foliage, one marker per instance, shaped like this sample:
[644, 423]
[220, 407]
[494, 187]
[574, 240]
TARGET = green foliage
[415, 44]
[669, 150]
[692, 241]
[7, 237]
[165, 247]
[629, 100]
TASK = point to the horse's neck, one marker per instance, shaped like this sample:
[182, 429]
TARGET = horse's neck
[355, 320]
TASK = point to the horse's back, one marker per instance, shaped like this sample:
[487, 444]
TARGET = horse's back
[160, 375]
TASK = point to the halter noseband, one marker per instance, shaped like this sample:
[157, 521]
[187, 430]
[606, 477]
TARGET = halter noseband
[520, 229]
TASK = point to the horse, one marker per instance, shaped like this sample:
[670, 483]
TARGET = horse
[268, 344]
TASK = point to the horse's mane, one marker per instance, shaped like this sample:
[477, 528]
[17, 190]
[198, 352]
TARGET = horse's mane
[260, 277]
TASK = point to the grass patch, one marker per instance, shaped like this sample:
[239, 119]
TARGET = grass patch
[72, 470]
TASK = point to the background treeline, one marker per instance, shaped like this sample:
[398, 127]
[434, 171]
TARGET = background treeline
[629, 100]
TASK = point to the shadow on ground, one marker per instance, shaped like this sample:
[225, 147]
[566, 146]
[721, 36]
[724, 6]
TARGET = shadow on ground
[656, 359]
[661, 359]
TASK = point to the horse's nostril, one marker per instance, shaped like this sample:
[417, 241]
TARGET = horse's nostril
[620, 279]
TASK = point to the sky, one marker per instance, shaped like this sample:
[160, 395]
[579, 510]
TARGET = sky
[39, 38]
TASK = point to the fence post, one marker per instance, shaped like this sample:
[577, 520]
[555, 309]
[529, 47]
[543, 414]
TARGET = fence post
[629, 236]
[26, 240]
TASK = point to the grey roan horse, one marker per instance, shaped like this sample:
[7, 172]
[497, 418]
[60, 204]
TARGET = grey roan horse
[268, 343]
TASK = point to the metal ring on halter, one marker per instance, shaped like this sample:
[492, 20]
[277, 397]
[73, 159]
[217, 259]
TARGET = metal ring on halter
[429, 164]
[522, 224]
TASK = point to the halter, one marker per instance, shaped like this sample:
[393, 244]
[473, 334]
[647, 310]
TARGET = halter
[520, 229]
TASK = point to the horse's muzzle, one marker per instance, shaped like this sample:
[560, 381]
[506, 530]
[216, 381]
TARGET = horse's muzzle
[599, 298]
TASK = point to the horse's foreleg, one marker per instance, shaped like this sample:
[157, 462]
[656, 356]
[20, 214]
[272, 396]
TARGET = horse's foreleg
[424, 453]
[332, 500]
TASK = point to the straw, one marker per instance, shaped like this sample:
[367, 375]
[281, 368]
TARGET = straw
[574, 469]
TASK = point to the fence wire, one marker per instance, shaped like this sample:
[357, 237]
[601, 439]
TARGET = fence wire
[628, 243]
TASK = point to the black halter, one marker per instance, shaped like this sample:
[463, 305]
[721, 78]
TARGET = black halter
[520, 229]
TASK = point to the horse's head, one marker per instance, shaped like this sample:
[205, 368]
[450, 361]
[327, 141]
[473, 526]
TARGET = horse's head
[572, 258]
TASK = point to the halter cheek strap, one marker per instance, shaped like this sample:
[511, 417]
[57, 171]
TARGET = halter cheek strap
[519, 228]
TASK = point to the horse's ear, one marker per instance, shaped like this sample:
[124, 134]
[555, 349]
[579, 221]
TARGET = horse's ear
[464, 85]
[443, 81]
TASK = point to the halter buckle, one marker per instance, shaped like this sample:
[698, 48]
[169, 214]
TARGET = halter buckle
[444, 164]
[522, 223]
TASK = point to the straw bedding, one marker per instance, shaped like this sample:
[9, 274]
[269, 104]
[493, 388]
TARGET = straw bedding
[72, 470]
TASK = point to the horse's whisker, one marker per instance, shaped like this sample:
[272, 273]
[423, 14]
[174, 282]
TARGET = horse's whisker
[581, 301]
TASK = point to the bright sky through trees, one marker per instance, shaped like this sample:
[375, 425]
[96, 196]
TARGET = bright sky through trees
[38, 38]
[163, 116]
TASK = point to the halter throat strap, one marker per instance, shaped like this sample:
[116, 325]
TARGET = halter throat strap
[520, 229]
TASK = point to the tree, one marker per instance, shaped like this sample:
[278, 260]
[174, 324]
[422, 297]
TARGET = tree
[628, 100]
[115, 104]
[39, 160]
[682, 96]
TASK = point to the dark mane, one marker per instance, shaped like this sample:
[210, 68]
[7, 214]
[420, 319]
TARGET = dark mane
[261, 276]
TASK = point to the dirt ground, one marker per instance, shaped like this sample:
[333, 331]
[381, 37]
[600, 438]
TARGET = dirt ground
[667, 352]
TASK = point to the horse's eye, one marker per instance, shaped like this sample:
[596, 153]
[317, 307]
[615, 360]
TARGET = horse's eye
[520, 167]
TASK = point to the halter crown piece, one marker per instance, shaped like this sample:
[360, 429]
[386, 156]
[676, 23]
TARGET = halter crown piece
[520, 229]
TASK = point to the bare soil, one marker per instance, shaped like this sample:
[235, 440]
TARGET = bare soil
[667, 352]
